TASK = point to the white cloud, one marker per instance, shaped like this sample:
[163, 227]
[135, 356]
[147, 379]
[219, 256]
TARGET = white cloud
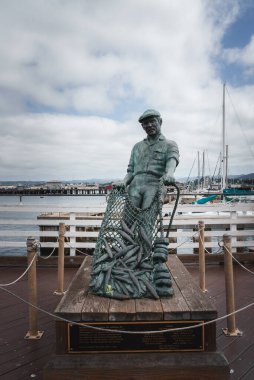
[89, 68]
[46, 146]
[244, 56]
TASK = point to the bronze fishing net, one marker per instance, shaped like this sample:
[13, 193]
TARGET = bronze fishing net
[123, 260]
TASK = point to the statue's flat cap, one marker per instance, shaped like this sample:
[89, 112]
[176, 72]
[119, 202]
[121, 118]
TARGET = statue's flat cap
[149, 113]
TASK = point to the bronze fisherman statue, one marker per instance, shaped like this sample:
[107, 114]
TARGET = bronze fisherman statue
[130, 258]
[152, 159]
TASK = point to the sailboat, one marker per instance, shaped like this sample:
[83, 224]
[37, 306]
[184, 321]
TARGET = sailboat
[229, 193]
[224, 166]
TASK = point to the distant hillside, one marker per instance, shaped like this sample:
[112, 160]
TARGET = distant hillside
[108, 180]
[92, 180]
[235, 176]
[21, 183]
[246, 176]
[74, 181]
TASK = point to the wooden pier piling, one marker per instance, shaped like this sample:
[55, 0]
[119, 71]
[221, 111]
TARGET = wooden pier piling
[201, 251]
[33, 332]
[231, 329]
[60, 273]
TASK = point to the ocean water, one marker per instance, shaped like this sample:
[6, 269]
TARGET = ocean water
[75, 200]
[35, 200]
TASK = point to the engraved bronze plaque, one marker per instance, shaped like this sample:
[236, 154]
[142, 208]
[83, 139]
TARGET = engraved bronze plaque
[82, 339]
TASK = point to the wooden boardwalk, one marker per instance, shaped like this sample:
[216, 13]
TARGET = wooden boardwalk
[25, 359]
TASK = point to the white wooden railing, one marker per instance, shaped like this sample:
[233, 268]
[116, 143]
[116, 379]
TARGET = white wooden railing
[236, 219]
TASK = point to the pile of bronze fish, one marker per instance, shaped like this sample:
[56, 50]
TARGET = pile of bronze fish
[131, 266]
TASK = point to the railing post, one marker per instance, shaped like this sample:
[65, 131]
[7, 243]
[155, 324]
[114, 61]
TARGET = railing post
[60, 273]
[33, 332]
[233, 228]
[72, 231]
[201, 252]
[231, 329]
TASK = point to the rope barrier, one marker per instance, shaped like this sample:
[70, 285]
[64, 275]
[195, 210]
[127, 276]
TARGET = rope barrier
[188, 240]
[241, 265]
[125, 331]
[238, 262]
[219, 250]
[36, 246]
[47, 257]
[87, 254]
[23, 274]
[83, 253]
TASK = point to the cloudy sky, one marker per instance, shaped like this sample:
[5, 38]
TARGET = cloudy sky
[76, 75]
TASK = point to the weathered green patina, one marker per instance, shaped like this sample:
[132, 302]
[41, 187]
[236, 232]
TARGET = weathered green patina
[152, 159]
[131, 251]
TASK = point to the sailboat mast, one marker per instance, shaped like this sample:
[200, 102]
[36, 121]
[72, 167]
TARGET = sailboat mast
[198, 171]
[203, 170]
[226, 174]
[223, 184]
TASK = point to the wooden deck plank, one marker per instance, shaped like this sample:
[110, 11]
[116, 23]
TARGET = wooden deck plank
[233, 347]
[70, 307]
[199, 304]
[22, 358]
[246, 360]
[47, 278]
[122, 311]
[147, 309]
[248, 374]
[175, 307]
[95, 308]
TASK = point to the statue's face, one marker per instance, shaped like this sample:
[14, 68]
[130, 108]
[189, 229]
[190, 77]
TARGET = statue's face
[152, 126]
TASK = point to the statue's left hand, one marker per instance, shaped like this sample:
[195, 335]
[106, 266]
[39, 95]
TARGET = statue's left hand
[168, 180]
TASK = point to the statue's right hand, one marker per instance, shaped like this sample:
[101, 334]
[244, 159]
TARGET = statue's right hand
[128, 178]
[125, 182]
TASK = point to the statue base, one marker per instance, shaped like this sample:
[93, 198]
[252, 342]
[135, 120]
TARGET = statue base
[85, 353]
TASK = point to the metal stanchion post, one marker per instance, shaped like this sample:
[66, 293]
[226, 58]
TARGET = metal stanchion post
[60, 276]
[231, 330]
[33, 332]
[201, 251]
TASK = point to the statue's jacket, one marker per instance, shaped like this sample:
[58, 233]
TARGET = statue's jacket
[152, 157]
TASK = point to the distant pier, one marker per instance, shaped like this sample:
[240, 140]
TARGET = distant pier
[57, 190]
